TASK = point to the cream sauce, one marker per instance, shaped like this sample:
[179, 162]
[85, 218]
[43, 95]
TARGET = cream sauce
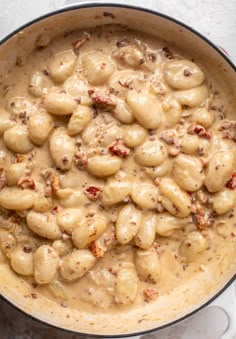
[130, 63]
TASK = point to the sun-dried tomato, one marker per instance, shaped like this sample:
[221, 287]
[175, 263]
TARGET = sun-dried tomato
[93, 192]
[150, 293]
[232, 182]
[119, 149]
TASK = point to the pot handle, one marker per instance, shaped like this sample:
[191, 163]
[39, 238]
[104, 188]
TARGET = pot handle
[227, 303]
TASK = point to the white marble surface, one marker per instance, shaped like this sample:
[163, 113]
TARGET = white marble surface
[214, 18]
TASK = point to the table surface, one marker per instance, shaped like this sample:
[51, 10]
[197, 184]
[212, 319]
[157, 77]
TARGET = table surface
[215, 19]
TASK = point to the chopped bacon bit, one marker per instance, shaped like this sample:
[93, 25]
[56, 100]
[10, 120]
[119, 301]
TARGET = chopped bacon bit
[122, 43]
[3, 179]
[229, 129]
[232, 182]
[173, 151]
[78, 43]
[55, 182]
[96, 250]
[187, 73]
[55, 210]
[108, 14]
[226, 124]
[81, 159]
[25, 183]
[111, 270]
[150, 293]
[52, 181]
[170, 137]
[229, 135]
[27, 249]
[119, 149]
[201, 218]
[200, 131]
[20, 158]
[93, 192]
[102, 98]
[167, 53]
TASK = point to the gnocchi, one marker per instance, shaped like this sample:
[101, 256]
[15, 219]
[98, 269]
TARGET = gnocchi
[62, 66]
[46, 263]
[40, 125]
[79, 120]
[174, 200]
[151, 153]
[128, 223]
[59, 103]
[220, 169]
[126, 286]
[43, 224]
[117, 170]
[62, 148]
[145, 108]
[76, 264]
[17, 139]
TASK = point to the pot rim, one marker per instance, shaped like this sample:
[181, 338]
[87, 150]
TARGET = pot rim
[222, 54]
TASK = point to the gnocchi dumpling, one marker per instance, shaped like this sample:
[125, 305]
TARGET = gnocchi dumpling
[15, 172]
[202, 117]
[115, 192]
[59, 103]
[123, 112]
[38, 84]
[62, 148]
[104, 165]
[46, 263]
[17, 139]
[146, 109]
[99, 68]
[43, 224]
[151, 153]
[188, 172]
[167, 224]
[193, 97]
[88, 230]
[79, 120]
[78, 88]
[190, 144]
[69, 218]
[183, 74]
[147, 231]
[174, 200]
[145, 195]
[147, 264]
[127, 223]
[62, 65]
[219, 171]
[134, 135]
[223, 201]
[193, 245]
[76, 264]
[40, 125]
[172, 111]
[126, 286]
[17, 199]
[22, 261]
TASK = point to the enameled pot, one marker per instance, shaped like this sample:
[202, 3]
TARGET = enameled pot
[176, 306]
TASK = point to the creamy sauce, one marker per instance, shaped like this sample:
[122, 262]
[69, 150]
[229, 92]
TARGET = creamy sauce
[126, 139]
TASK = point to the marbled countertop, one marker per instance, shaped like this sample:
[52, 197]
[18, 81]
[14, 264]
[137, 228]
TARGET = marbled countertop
[214, 18]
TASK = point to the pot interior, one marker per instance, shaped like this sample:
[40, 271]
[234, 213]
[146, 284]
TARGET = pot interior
[182, 300]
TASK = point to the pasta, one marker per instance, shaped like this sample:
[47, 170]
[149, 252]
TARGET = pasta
[117, 170]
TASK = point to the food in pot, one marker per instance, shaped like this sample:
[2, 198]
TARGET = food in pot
[118, 179]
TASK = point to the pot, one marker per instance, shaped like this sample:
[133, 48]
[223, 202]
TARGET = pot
[178, 305]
